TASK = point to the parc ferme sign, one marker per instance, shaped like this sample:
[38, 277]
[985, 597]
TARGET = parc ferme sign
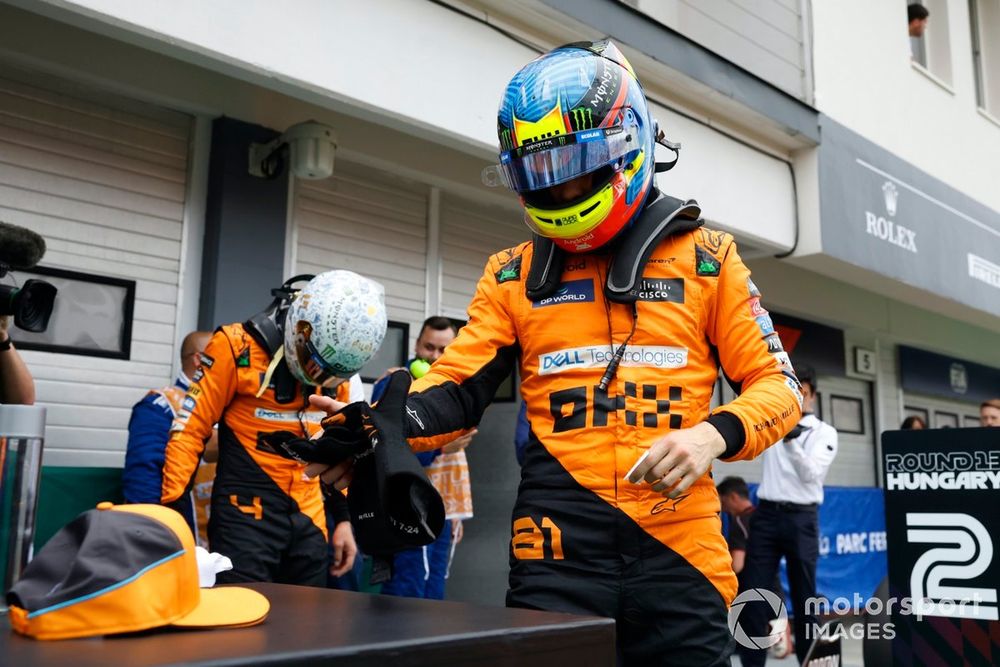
[942, 514]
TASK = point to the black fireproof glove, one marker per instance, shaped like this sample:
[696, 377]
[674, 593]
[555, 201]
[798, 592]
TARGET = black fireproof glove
[393, 505]
[346, 434]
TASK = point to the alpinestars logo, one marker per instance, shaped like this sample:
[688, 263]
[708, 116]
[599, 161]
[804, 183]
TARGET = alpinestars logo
[413, 415]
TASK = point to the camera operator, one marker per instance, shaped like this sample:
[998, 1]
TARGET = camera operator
[30, 307]
[16, 385]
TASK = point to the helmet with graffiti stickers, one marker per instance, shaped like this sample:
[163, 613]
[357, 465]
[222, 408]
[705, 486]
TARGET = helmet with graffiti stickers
[334, 326]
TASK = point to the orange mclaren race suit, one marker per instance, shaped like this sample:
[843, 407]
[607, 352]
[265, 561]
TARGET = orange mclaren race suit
[584, 539]
[266, 516]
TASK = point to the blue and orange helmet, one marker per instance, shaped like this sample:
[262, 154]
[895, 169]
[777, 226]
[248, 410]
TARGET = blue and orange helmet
[577, 110]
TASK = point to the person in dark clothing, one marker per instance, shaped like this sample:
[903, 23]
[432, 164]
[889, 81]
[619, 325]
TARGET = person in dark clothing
[786, 521]
[734, 495]
[422, 572]
[917, 16]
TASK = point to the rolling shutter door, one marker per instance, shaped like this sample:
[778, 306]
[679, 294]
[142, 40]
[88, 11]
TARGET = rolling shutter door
[470, 233]
[103, 179]
[371, 223]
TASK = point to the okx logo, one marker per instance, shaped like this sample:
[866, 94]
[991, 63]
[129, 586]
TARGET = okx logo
[778, 616]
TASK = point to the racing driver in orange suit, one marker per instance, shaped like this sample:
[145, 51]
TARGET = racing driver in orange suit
[256, 379]
[617, 316]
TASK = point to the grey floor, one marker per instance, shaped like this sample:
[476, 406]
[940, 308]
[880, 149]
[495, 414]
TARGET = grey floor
[850, 656]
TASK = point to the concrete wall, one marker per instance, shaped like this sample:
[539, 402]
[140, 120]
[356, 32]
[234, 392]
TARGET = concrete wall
[766, 37]
[865, 80]
[445, 96]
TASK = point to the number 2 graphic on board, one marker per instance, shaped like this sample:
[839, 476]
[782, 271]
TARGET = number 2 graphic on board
[967, 554]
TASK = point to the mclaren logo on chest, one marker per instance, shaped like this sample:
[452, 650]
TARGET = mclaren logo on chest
[574, 291]
[660, 289]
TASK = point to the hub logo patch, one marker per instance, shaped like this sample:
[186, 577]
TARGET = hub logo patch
[660, 289]
[599, 356]
[573, 291]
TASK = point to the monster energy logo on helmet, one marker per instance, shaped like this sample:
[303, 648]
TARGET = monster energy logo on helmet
[581, 118]
[604, 88]
[506, 141]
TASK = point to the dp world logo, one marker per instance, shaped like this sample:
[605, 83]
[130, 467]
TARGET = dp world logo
[756, 595]
[891, 194]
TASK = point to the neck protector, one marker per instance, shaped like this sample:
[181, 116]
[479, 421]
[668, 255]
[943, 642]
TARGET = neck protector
[664, 217]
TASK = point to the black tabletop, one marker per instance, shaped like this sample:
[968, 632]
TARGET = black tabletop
[316, 625]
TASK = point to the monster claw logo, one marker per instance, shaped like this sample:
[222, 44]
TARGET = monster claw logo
[581, 118]
[506, 141]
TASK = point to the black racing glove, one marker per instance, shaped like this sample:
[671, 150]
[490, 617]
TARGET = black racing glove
[348, 433]
[336, 445]
[392, 503]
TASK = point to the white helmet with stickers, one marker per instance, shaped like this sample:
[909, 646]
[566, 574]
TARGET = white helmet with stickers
[334, 325]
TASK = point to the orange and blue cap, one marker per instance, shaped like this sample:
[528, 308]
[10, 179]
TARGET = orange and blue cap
[123, 568]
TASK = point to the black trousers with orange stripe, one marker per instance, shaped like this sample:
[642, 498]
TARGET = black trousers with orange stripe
[665, 614]
[266, 537]
[573, 552]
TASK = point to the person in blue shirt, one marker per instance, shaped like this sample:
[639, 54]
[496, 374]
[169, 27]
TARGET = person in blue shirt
[521, 432]
[421, 573]
[149, 430]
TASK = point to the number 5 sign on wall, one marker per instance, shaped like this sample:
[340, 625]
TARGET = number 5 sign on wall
[942, 491]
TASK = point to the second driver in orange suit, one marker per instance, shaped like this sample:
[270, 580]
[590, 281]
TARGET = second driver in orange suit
[617, 316]
[256, 379]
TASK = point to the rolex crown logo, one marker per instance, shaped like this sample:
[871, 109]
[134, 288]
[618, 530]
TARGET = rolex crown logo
[891, 194]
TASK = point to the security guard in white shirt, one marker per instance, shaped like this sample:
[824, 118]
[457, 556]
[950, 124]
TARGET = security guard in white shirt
[786, 520]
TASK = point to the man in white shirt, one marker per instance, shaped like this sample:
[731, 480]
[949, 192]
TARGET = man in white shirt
[786, 520]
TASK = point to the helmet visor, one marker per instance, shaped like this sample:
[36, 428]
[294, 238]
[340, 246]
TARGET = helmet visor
[556, 160]
[316, 367]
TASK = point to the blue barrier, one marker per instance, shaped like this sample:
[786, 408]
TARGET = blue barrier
[852, 544]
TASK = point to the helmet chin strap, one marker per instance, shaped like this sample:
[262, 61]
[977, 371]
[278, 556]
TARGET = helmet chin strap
[661, 139]
[266, 380]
